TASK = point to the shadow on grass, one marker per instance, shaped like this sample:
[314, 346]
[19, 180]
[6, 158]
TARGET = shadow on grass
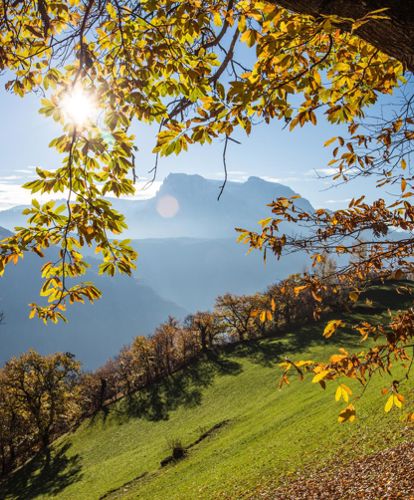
[269, 351]
[43, 476]
[300, 337]
[183, 388]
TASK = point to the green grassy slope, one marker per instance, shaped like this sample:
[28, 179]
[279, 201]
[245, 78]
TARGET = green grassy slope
[266, 434]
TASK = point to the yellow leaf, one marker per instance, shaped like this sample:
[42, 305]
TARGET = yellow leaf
[354, 296]
[265, 222]
[336, 358]
[299, 289]
[344, 395]
[389, 404]
[403, 164]
[330, 141]
[343, 391]
[398, 400]
[217, 19]
[338, 393]
[331, 327]
[316, 297]
[320, 376]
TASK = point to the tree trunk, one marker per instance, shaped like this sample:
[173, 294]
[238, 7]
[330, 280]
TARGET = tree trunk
[12, 455]
[46, 447]
[203, 338]
[3, 460]
[102, 393]
[393, 36]
[287, 314]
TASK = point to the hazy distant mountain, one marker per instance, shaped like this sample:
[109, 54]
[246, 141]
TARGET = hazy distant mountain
[187, 256]
[4, 233]
[192, 272]
[187, 206]
[198, 213]
[12, 218]
[94, 331]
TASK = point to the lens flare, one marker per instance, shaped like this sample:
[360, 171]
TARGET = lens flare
[168, 206]
[78, 107]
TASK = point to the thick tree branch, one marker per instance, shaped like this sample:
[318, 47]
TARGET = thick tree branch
[393, 36]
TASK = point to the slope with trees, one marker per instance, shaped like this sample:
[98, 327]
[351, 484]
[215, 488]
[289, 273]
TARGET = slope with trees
[58, 397]
[240, 436]
[176, 65]
[42, 397]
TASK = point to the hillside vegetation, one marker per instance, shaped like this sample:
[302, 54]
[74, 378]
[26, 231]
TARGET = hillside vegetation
[242, 435]
[196, 246]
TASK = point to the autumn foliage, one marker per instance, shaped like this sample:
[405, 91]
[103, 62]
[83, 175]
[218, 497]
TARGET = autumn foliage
[43, 396]
[38, 401]
[175, 65]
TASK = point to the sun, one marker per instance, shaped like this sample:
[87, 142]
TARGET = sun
[79, 107]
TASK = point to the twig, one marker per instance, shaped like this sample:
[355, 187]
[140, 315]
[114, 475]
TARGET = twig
[226, 141]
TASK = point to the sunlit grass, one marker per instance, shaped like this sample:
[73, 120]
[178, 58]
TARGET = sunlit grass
[269, 435]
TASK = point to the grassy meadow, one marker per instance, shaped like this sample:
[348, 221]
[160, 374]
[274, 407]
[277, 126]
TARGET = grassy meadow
[241, 432]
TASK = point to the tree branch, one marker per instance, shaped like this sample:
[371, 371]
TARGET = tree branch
[393, 36]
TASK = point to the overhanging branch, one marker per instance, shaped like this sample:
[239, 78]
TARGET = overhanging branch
[393, 36]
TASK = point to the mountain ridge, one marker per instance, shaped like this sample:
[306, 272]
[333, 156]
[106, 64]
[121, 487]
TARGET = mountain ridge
[185, 261]
[186, 205]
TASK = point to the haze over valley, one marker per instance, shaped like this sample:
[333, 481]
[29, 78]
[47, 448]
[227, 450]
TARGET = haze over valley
[188, 255]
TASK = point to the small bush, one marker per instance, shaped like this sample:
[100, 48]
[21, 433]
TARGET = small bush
[177, 449]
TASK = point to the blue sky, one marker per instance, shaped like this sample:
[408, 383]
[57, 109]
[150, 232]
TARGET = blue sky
[291, 158]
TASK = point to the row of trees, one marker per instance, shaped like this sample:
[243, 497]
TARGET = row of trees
[43, 396]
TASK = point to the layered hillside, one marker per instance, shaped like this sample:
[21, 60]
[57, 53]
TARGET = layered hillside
[94, 332]
[241, 436]
[193, 258]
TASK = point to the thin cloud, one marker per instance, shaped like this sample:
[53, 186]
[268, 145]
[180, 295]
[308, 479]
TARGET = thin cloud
[144, 189]
[12, 178]
[232, 175]
[27, 170]
[321, 172]
[12, 194]
[338, 202]
[329, 172]
[242, 176]
[280, 180]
